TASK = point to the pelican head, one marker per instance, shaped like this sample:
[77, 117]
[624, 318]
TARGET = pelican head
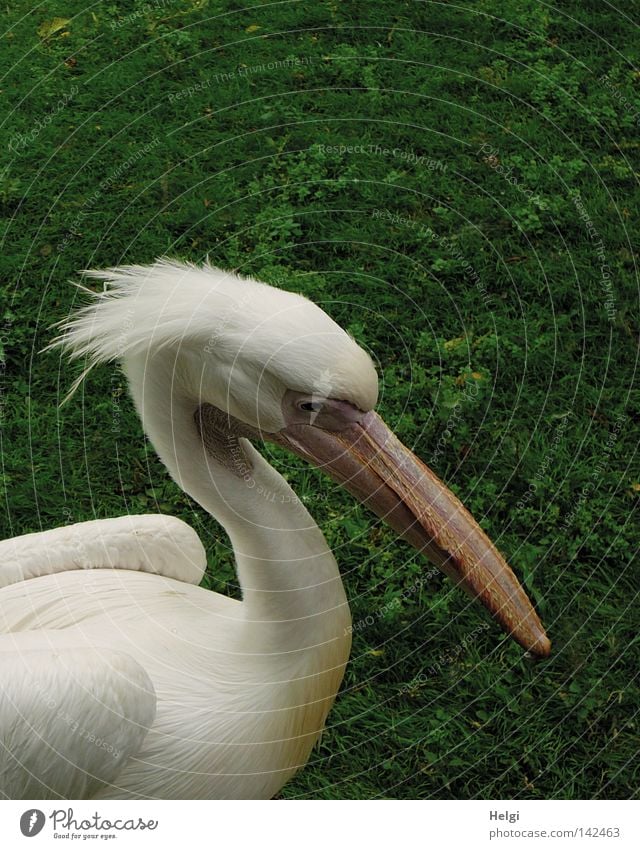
[265, 364]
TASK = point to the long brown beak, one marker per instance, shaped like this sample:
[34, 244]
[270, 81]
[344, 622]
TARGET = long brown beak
[374, 466]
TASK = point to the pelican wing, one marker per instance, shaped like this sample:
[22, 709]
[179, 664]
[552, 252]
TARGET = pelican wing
[162, 545]
[70, 718]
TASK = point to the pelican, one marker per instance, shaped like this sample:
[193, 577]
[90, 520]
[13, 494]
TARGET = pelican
[120, 677]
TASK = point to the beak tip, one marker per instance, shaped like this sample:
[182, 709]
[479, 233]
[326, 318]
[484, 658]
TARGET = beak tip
[539, 645]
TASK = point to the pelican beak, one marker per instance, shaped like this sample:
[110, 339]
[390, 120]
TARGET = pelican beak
[373, 465]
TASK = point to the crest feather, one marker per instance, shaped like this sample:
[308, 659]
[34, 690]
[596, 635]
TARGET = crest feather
[217, 314]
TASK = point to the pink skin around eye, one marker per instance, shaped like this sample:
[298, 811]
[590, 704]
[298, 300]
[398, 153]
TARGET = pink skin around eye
[333, 414]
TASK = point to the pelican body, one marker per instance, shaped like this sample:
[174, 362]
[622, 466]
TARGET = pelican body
[120, 677]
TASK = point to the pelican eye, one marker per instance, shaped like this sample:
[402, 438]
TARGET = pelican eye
[310, 406]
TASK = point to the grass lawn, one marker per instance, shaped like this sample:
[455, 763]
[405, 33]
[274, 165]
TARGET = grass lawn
[456, 187]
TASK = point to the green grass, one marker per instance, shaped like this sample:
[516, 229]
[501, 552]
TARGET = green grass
[470, 276]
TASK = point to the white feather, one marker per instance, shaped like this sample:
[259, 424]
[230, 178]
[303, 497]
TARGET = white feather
[224, 319]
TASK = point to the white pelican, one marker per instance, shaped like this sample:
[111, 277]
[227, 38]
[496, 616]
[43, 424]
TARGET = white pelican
[119, 676]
